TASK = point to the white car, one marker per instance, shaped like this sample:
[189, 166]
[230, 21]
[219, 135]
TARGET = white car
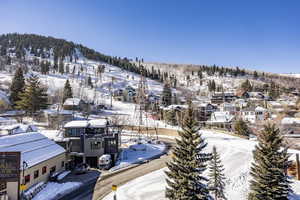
[105, 161]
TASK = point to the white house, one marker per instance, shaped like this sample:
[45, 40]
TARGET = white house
[254, 115]
[230, 107]
[221, 119]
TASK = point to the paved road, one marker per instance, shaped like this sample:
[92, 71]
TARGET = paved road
[103, 185]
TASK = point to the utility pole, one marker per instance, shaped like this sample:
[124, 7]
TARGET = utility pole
[297, 166]
[110, 89]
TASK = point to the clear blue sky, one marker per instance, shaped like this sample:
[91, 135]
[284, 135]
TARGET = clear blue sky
[256, 34]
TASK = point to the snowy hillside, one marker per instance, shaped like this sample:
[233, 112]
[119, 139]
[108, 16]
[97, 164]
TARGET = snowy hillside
[292, 75]
[236, 155]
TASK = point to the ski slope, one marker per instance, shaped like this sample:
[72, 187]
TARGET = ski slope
[236, 155]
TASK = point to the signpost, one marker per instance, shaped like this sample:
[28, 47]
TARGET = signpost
[10, 167]
[114, 188]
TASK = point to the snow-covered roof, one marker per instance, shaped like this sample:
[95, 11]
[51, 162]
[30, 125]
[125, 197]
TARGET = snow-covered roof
[34, 147]
[172, 107]
[72, 102]
[259, 108]
[76, 124]
[60, 112]
[86, 123]
[274, 103]
[98, 122]
[7, 121]
[290, 120]
[3, 97]
[228, 105]
[19, 128]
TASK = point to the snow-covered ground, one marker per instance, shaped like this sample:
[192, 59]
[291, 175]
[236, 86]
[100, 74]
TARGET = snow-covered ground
[292, 75]
[137, 150]
[54, 190]
[236, 155]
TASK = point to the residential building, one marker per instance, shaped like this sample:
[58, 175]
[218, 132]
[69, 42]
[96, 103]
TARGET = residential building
[75, 104]
[221, 119]
[87, 140]
[290, 125]
[254, 115]
[204, 110]
[40, 157]
[221, 97]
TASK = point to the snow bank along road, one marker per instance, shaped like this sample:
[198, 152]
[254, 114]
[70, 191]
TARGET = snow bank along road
[103, 185]
[236, 155]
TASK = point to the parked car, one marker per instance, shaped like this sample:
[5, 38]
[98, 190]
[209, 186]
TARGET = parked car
[81, 168]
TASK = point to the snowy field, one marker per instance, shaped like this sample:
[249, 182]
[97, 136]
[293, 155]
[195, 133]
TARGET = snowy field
[236, 155]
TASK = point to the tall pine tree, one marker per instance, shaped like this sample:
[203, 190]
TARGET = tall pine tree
[167, 95]
[269, 181]
[67, 93]
[185, 179]
[17, 86]
[61, 67]
[34, 97]
[216, 176]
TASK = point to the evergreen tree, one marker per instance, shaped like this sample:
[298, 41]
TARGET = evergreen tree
[211, 85]
[216, 176]
[8, 60]
[67, 93]
[241, 128]
[61, 67]
[270, 181]
[34, 97]
[68, 68]
[170, 117]
[167, 95]
[185, 179]
[274, 91]
[90, 83]
[17, 86]
[255, 75]
[246, 86]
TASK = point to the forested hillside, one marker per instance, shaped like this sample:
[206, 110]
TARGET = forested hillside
[59, 50]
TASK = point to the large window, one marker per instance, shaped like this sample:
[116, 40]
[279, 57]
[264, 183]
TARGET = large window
[74, 132]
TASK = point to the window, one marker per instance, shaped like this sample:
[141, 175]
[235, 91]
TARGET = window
[112, 142]
[44, 170]
[2, 186]
[74, 132]
[27, 178]
[62, 163]
[36, 174]
[53, 169]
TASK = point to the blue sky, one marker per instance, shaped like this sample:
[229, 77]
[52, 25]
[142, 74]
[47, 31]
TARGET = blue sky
[256, 34]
